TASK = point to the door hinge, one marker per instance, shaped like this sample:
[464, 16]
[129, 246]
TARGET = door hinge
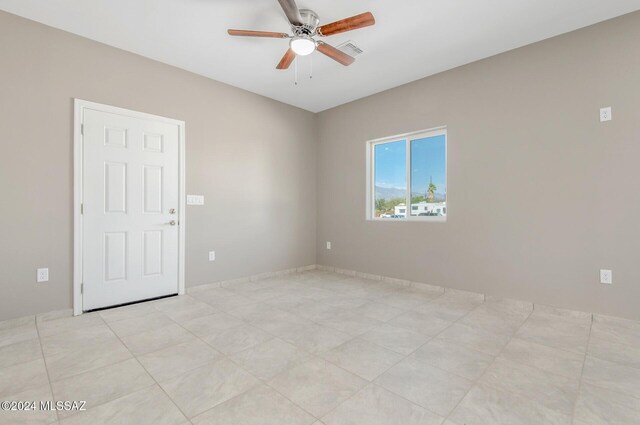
[81, 209]
[82, 129]
[82, 288]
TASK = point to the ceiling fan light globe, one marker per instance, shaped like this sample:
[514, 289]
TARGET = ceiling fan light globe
[302, 46]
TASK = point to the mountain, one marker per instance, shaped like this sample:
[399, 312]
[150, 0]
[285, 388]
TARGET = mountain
[389, 192]
[393, 193]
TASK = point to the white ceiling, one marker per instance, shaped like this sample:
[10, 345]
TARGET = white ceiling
[411, 39]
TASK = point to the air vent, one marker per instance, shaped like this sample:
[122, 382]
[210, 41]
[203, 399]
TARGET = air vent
[350, 48]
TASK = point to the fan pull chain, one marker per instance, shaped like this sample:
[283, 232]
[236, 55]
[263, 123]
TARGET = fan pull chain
[311, 72]
[296, 70]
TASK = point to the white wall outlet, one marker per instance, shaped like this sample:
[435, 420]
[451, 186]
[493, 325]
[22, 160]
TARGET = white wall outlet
[212, 256]
[42, 275]
[606, 277]
[605, 114]
[328, 245]
[195, 200]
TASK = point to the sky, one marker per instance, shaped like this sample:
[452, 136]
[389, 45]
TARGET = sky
[428, 160]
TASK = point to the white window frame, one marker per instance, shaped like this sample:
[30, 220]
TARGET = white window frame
[408, 137]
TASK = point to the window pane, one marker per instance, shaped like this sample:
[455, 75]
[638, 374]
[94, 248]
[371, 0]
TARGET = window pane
[428, 177]
[390, 179]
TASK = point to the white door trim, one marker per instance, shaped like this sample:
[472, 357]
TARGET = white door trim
[79, 107]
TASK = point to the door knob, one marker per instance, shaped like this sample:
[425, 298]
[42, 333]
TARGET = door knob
[172, 223]
[172, 211]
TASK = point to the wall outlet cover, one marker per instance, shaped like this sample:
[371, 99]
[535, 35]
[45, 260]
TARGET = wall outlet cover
[606, 277]
[605, 114]
[328, 245]
[42, 275]
[212, 256]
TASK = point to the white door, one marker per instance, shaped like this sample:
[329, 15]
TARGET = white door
[130, 217]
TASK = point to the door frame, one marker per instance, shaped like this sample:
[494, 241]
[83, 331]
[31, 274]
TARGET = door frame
[79, 107]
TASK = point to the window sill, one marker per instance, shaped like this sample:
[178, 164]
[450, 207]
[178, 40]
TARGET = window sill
[410, 220]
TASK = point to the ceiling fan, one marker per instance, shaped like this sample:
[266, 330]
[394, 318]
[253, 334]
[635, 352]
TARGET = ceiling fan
[305, 25]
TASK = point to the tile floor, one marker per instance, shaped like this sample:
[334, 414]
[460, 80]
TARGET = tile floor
[321, 348]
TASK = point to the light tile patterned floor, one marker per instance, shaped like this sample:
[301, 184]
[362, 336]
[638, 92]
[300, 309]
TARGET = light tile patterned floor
[323, 348]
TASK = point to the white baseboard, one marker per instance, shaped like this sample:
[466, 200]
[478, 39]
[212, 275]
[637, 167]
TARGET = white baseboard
[528, 305]
[252, 278]
[352, 274]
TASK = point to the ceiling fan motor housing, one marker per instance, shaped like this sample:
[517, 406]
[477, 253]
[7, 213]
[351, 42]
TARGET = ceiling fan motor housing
[310, 23]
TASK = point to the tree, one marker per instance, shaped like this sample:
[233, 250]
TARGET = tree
[381, 205]
[417, 199]
[387, 206]
[431, 191]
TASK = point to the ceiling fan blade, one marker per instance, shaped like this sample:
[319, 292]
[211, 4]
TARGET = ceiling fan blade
[286, 60]
[291, 10]
[335, 54]
[349, 24]
[248, 33]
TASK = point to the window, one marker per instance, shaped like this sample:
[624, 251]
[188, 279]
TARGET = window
[409, 170]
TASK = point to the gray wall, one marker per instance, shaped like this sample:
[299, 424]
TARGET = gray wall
[252, 158]
[541, 194]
